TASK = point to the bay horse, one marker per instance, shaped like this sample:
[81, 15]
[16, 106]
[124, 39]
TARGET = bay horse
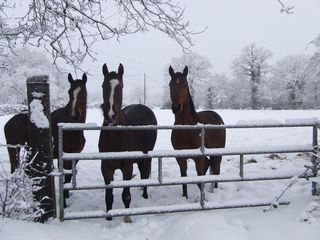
[74, 112]
[16, 129]
[185, 114]
[124, 140]
[16, 133]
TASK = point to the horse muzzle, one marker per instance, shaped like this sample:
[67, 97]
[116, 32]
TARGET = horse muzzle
[109, 122]
[177, 109]
[75, 116]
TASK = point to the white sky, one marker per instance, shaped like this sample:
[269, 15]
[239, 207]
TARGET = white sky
[232, 24]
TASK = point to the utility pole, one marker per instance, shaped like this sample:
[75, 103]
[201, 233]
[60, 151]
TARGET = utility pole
[144, 89]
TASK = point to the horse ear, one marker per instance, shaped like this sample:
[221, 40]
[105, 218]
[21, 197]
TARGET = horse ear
[171, 71]
[84, 77]
[185, 71]
[120, 69]
[70, 78]
[105, 70]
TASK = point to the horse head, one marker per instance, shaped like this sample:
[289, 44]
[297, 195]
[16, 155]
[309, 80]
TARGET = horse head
[179, 90]
[78, 98]
[112, 94]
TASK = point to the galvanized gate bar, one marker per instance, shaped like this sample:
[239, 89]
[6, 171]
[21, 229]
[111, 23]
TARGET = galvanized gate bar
[168, 209]
[190, 180]
[93, 126]
[188, 153]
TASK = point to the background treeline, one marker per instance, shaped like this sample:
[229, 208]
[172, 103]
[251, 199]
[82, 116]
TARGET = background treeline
[252, 83]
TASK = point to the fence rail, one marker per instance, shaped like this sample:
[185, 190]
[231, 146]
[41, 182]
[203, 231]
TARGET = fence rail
[202, 151]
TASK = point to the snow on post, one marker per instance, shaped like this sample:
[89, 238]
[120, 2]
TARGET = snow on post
[40, 159]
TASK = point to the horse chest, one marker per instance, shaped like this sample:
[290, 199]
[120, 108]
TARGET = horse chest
[185, 139]
[115, 141]
[73, 141]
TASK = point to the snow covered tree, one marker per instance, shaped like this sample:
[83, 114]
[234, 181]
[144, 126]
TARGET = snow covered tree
[252, 63]
[199, 76]
[69, 28]
[16, 67]
[314, 82]
[291, 75]
[217, 92]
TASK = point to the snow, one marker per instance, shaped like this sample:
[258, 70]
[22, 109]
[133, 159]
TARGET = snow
[36, 114]
[289, 222]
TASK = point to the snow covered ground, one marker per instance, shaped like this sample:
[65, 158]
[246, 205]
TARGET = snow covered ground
[283, 223]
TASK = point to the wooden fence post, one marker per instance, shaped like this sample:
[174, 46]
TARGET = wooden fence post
[40, 163]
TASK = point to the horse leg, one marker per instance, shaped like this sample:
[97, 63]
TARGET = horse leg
[144, 166]
[108, 177]
[202, 164]
[183, 171]
[14, 156]
[215, 162]
[126, 196]
[67, 178]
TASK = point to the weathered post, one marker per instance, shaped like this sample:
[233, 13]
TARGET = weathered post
[40, 159]
[314, 159]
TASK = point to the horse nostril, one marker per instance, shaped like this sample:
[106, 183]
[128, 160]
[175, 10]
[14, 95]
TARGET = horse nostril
[176, 109]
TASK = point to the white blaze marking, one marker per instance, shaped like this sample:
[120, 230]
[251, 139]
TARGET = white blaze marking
[75, 98]
[114, 83]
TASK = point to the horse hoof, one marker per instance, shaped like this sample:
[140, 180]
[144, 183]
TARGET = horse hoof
[145, 195]
[184, 195]
[127, 219]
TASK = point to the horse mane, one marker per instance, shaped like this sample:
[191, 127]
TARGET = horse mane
[191, 105]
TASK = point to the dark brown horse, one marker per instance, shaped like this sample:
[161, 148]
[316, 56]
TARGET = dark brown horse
[185, 114]
[74, 112]
[16, 129]
[16, 133]
[124, 140]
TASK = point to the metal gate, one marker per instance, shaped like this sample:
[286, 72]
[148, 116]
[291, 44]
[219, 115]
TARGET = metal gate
[160, 181]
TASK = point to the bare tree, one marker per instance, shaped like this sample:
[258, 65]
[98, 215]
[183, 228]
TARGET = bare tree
[252, 62]
[69, 28]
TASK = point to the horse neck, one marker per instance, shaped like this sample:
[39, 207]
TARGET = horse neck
[84, 114]
[122, 119]
[188, 115]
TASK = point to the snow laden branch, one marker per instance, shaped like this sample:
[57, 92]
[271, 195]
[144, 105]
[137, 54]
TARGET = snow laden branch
[285, 8]
[16, 193]
[69, 28]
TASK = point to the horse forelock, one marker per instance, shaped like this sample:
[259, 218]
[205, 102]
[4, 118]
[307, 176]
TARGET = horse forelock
[113, 75]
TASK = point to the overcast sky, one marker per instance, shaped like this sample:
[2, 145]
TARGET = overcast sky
[231, 24]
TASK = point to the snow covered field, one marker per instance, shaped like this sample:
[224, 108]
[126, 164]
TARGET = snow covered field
[236, 224]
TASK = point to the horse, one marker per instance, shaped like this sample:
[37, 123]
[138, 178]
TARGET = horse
[16, 133]
[124, 140]
[16, 129]
[74, 112]
[185, 114]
